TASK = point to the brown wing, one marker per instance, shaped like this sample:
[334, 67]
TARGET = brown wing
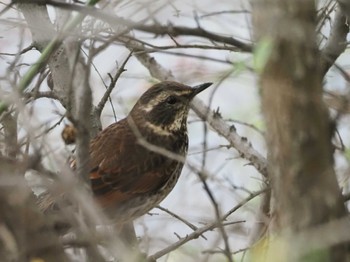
[121, 168]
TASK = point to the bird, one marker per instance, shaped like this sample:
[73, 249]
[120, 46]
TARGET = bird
[132, 164]
[127, 177]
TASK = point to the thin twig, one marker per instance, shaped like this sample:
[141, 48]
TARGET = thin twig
[155, 28]
[227, 250]
[220, 251]
[190, 225]
[24, 50]
[227, 12]
[111, 86]
[202, 230]
[246, 124]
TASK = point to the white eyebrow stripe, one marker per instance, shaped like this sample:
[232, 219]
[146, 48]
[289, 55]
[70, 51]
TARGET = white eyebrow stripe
[161, 96]
[182, 92]
[150, 105]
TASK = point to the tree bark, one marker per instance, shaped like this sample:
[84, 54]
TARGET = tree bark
[299, 131]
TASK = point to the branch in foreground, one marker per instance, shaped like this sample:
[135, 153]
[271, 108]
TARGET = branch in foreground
[25, 233]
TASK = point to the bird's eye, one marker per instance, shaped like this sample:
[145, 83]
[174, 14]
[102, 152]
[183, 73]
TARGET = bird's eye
[171, 100]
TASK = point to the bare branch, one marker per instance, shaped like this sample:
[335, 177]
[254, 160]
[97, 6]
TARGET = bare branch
[156, 28]
[336, 42]
[9, 124]
[227, 250]
[111, 86]
[190, 225]
[241, 144]
[202, 230]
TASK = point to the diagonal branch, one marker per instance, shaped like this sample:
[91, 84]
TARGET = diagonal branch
[204, 229]
[241, 144]
[190, 225]
[111, 86]
[337, 42]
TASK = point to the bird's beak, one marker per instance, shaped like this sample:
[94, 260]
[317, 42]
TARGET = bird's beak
[199, 88]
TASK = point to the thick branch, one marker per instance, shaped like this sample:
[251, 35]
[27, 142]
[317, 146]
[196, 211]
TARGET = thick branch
[43, 31]
[241, 144]
[336, 42]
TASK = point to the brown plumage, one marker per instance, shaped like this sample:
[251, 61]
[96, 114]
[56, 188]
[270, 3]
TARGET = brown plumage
[127, 178]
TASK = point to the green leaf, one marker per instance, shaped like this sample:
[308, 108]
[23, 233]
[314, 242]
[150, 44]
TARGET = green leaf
[262, 53]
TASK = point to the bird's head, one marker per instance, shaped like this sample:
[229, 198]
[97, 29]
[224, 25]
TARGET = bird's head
[164, 107]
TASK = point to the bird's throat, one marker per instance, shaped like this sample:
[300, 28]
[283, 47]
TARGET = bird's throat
[179, 125]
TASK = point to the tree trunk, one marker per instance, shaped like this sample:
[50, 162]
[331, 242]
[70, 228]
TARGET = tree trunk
[305, 188]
